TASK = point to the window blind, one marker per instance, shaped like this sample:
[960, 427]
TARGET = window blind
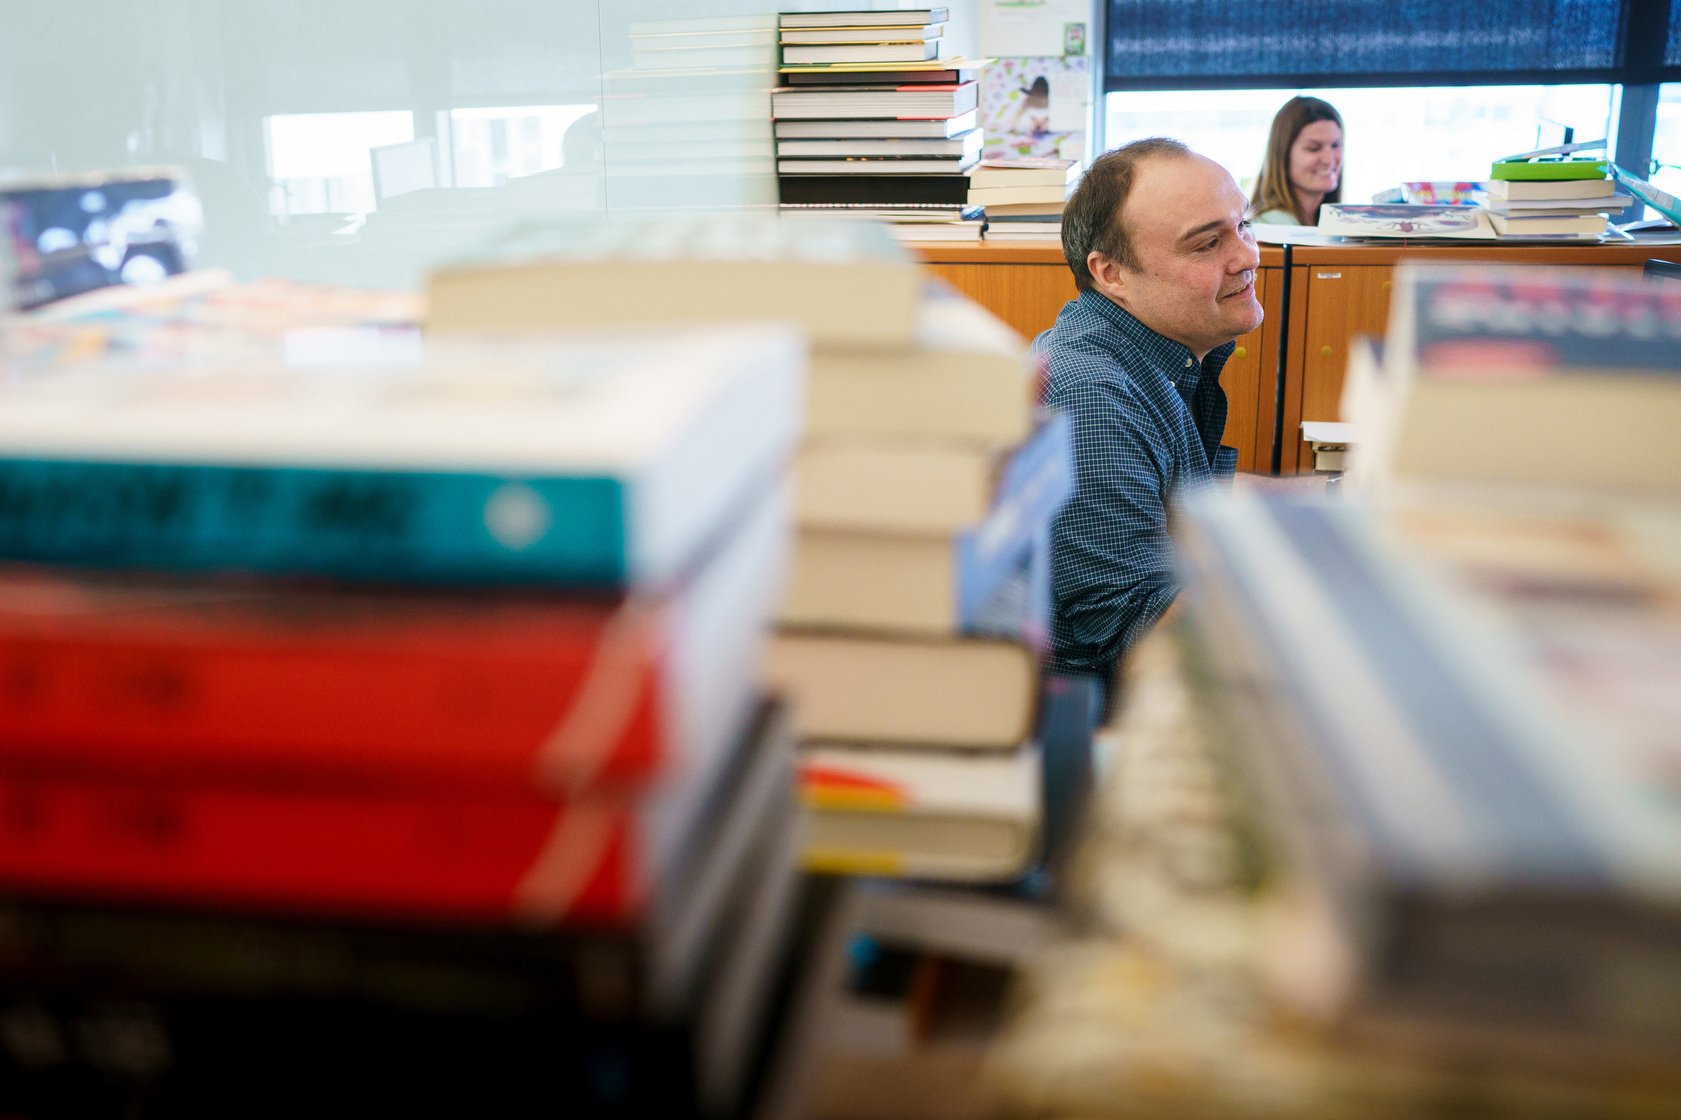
[1258, 44]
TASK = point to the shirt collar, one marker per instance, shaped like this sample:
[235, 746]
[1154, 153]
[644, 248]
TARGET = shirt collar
[1174, 359]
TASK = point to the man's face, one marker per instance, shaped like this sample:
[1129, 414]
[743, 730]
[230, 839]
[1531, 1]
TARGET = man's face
[1196, 277]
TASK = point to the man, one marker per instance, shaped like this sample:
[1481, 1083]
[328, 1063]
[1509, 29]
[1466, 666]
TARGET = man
[1159, 242]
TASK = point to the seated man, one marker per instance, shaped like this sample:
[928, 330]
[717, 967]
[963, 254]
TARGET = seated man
[1165, 265]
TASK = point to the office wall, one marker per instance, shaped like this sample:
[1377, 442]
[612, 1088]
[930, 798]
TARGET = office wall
[358, 140]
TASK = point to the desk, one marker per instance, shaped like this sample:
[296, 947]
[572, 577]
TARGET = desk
[1324, 296]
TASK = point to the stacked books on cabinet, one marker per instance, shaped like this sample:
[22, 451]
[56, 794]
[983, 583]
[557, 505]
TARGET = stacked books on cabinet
[919, 595]
[1023, 198]
[1534, 196]
[1455, 700]
[874, 123]
[386, 716]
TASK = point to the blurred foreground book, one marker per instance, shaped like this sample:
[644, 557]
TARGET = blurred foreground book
[920, 579]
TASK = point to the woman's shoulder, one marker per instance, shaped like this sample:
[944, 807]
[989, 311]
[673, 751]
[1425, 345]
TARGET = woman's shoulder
[1276, 218]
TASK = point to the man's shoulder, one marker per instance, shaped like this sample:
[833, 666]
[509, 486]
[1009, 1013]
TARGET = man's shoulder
[1085, 350]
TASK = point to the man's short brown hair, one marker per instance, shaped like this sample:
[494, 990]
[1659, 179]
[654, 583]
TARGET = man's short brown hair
[1092, 219]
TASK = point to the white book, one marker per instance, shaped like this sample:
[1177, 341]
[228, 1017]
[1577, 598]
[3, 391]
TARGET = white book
[813, 36]
[592, 458]
[1023, 229]
[909, 18]
[1519, 206]
[1548, 188]
[852, 102]
[967, 146]
[1026, 173]
[921, 813]
[1509, 224]
[945, 128]
[937, 231]
[1004, 196]
[953, 166]
[864, 52]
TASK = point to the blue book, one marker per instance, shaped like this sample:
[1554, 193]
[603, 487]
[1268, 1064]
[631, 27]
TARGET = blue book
[568, 461]
[1004, 563]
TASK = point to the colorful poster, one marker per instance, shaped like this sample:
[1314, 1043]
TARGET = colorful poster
[1036, 107]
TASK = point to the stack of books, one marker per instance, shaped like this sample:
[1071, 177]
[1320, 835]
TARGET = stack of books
[874, 120]
[1459, 740]
[1551, 199]
[684, 123]
[384, 722]
[919, 599]
[1023, 198]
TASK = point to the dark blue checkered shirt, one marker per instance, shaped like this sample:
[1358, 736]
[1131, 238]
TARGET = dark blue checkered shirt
[1147, 425]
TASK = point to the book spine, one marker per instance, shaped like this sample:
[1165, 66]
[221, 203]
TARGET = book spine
[306, 853]
[356, 524]
[360, 708]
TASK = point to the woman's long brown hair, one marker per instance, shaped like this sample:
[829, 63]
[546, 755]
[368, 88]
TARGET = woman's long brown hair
[1273, 190]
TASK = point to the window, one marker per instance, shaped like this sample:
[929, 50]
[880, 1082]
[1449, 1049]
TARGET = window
[319, 163]
[1393, 134]
[495, 145]
[1666, 142]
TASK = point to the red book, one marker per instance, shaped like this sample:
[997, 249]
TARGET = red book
[371, 691]
[600, 860]
[458, 858]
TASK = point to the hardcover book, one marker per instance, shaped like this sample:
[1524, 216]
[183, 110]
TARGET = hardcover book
[920, 814]
[847, 285]
[596, 460]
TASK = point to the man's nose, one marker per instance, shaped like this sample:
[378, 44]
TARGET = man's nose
[1248, 256]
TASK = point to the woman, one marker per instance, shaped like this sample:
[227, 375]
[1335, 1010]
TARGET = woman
[1303, 167]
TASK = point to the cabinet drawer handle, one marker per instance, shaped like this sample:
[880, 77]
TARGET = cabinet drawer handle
[1327, 276]
[1325, 351]
[1240, 352]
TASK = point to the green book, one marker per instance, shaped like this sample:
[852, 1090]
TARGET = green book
[1555, 169]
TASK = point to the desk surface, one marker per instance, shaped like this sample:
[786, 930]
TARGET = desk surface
[1048, 250]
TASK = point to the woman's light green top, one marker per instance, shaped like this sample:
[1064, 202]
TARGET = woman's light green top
[1277, 218]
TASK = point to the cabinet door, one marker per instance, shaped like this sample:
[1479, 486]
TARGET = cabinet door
[1026, 296]
[1342, 301]
[1249, 394]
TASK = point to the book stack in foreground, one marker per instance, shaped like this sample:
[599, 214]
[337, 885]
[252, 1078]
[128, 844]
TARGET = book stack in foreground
[919, 596]
[920, 575]
[875, 123]
[1023, 198]
[1551, 199]
[384, 726]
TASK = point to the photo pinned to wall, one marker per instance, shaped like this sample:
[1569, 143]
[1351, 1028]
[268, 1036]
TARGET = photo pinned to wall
[1036, 107]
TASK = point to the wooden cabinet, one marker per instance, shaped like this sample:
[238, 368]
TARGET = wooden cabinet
[1342, 302]
[1249, 379]
[1024, 283]
[1026, 296]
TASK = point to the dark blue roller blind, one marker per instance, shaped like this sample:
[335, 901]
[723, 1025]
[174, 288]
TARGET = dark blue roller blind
[1165, 44]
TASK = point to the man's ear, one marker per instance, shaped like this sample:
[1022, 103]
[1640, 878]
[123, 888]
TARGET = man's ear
[1107, 276]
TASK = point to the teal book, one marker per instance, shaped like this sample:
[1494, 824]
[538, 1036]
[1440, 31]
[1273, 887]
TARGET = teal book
[582, 460]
